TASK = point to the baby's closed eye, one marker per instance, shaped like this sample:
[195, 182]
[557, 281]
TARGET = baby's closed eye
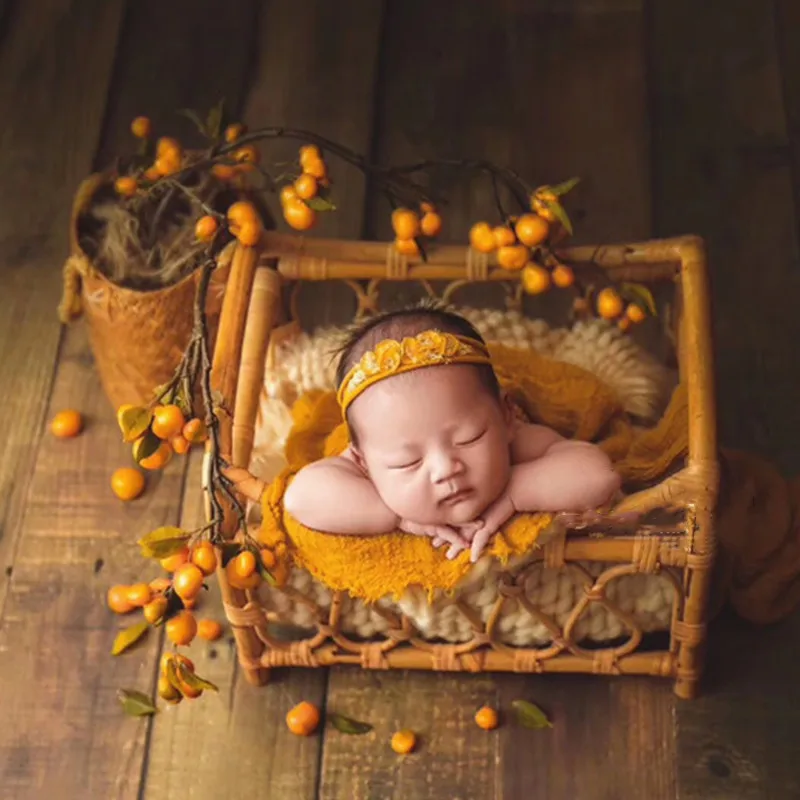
[405, 464]
[471, 438]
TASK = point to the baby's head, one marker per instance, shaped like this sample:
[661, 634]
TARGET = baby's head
[435, 439]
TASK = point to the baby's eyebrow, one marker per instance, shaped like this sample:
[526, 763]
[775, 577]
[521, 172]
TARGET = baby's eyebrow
[405, 447]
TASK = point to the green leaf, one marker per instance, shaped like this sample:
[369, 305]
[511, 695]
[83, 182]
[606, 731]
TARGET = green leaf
[350, 726]
[136, 703]
[530, 715]
[193, 116]
[230, 550]
[133, 422]
[163, 542]
[214, 120]
[561, 215]
[639, 294]
[145, 446]
[320, 203]
[163, 549]
[194, 681]
[172, 675]
[163, 533]
[128, 637]
[184, 403]
[174, 606]
[160, 391]
[562, 188]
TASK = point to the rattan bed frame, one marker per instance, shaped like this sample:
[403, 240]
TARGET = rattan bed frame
[675, 538]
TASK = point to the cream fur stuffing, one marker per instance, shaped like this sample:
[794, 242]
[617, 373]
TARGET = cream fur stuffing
[304, 362]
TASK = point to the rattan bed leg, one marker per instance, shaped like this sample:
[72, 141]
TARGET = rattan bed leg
[249, 647]
[256, 677]
[690, 631]
[224, 377]
[690, 665]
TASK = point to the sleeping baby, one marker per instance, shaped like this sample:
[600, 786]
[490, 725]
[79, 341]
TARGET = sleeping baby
[435, 446]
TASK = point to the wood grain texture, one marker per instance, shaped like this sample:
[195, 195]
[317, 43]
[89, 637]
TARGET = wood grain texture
[178, 55]
[447, 97]
[317, 71]
[55, 59]
[722, 169]
[64, 734]
[739, 739]
[632, 718]
[578, 107]
[5, 15]
[454, 758]
[787, 29]
[504, 89]
[234, 743]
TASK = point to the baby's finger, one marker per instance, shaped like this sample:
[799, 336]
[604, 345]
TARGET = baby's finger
[469, 529]
[412, 528]
[454, 550]
[438, 541]
[479, 542]
[449, 535]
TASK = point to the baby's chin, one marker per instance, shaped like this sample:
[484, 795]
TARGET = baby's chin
[465, 512]
[468, 510]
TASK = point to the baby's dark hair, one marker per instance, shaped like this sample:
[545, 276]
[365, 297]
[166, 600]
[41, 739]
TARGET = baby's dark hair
[409, 322]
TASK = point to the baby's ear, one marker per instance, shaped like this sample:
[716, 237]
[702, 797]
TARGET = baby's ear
[507, 405]
[358, 457]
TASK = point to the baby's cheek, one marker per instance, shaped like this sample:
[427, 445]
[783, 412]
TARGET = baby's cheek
[395, 493]
[494, 462]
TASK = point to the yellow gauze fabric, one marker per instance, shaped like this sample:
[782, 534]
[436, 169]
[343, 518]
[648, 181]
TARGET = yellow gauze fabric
[565, 397]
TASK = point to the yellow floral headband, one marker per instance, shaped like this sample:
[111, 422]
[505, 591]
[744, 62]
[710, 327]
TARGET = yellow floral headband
[391, 357]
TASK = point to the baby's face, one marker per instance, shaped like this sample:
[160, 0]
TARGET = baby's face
[435, 443]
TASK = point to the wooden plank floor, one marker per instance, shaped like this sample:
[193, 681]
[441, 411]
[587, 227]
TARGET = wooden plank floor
[670, 134]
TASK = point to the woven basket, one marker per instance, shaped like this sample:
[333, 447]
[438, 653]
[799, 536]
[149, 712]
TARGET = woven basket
[137, 336]
[675, 539]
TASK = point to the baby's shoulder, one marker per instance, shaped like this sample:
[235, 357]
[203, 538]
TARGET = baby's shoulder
[531, 440]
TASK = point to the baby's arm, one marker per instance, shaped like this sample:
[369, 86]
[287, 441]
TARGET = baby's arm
[549, 473]
[336, 496]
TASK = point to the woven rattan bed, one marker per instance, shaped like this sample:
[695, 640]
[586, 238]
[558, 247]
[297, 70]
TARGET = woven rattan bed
[493, 621]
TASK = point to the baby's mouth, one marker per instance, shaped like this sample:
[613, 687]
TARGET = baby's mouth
[456, 497]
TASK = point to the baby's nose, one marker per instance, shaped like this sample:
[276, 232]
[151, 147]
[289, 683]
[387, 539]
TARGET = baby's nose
[444, 467]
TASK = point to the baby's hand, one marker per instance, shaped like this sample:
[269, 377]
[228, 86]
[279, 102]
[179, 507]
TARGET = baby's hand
[457, 537]
[467, 531]
[493, 518]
